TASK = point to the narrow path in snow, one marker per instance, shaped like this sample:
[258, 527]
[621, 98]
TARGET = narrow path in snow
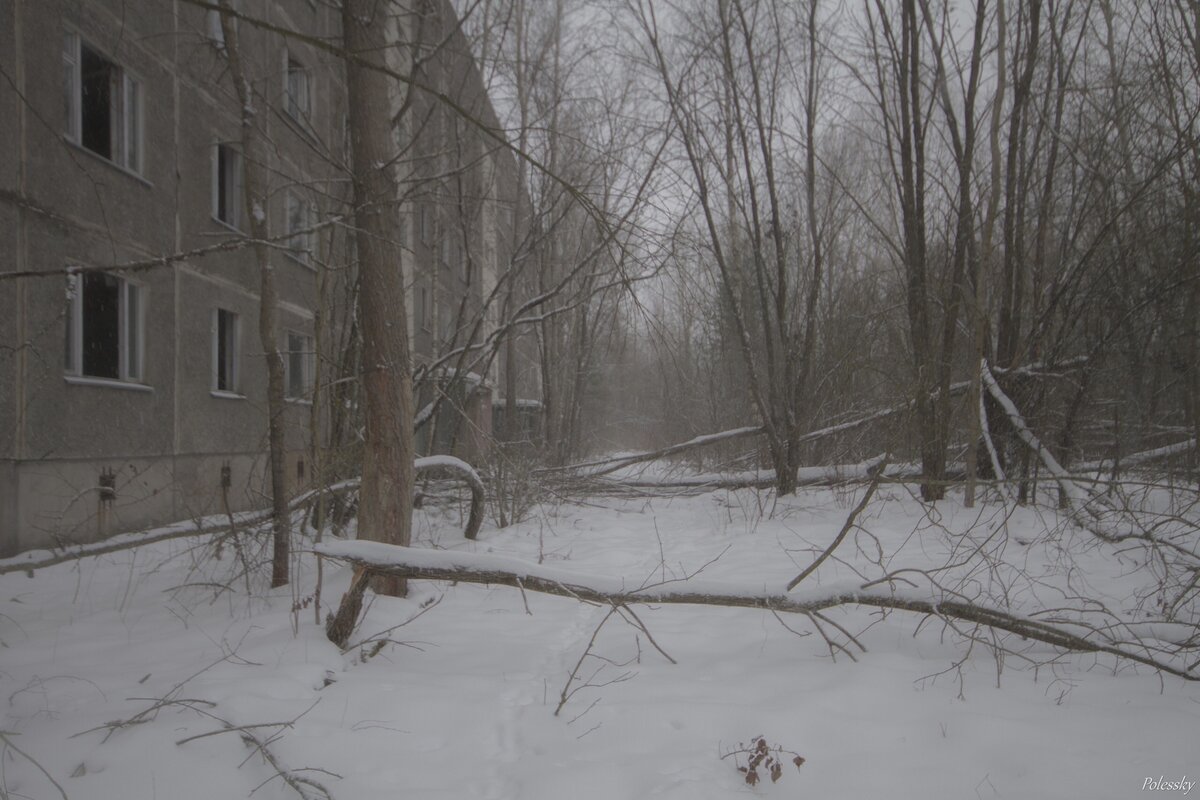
[537, 690]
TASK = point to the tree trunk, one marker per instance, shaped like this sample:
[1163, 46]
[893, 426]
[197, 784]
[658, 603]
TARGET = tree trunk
[385, 510]
[254, 160]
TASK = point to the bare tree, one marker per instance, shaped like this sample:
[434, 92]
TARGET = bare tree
[254, 151]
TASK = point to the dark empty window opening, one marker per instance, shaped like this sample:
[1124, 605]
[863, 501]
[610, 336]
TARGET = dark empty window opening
[227, 185]
[225, 352]
[101, 326]
[97, 78]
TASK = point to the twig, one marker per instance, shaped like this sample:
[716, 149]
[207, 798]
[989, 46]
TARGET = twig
[846, 527]
[4, 735]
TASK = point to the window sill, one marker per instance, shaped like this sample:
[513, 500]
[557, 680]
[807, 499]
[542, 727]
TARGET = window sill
[137, 176]
[300, 401]
[226, 225]
[302, 261]
[108, 383]
[223, 395]
[301, 125]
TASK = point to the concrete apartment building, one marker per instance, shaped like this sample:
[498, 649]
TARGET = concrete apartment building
[135, 397]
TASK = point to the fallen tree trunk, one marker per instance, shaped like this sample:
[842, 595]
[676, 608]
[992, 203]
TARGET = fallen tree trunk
[1089, 508]
[607, 465]
[1140, 458]
[805, 476]
[486, 568]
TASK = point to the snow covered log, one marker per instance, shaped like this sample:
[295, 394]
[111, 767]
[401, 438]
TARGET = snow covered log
[805, 476]
[1142, 457]
[486, 568]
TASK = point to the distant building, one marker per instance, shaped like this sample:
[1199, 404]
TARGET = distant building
[135, 397]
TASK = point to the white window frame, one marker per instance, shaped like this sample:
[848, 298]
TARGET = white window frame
[235, 208]
[297, 104]
[302, 240]
[131, 355]
[234, 346]
[307, 363]
[126, 113]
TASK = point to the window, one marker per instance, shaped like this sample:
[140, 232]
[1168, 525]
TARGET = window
[452, 255]
[297, 99]
[424, 308]
[426, 224]
[227, 185]
[226, 351]
[103, 105]
[216, 33]
[104, 327]
[299, 365]
[446, 322]
[300, 219]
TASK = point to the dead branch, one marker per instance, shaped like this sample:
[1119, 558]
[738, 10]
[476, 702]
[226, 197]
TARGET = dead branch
[5, 737]
[837, 541]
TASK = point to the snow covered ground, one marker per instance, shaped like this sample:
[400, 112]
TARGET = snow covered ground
[464, 707]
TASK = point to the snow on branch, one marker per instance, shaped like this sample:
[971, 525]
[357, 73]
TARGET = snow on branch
[486, 568]
[1090, 508]
[1141, 458]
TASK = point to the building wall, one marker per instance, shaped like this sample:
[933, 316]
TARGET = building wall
[463, 184]
[81, 458]
[164, 438]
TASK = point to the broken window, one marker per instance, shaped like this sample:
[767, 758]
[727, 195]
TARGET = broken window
[104, 327]
[103, 104]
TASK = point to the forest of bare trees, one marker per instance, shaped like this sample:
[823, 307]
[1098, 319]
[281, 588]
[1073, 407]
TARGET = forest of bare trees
[862, 208]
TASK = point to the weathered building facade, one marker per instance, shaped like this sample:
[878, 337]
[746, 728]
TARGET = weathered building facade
[132, 378]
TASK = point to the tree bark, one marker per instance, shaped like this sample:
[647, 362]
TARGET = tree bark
[385, 510]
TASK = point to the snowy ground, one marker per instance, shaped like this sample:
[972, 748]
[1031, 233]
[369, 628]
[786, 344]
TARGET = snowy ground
[465, 708]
